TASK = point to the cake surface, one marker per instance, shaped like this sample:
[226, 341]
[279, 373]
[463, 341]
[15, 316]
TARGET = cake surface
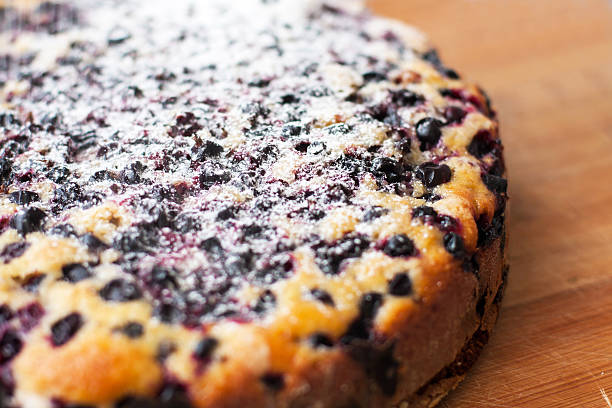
[250, 204]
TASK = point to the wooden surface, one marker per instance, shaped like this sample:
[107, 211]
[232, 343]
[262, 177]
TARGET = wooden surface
[547, 65]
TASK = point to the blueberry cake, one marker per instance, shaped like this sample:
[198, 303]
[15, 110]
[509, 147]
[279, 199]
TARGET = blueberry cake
[256, 203]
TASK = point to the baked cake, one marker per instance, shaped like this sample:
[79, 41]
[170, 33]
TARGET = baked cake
[256, 203]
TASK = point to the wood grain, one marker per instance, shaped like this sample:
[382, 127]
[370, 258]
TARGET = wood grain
[547, 65]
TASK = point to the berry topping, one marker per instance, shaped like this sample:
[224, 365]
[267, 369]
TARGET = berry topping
[75, 272]
[321, 340]
[24, 197]
[399, 245]
[133, 330]
[322, 296]
[273, 381]
[433, 175]
[453, 243]
[29, 220]
[205, 348]
[495, 184]
[428, 132]
[330, 257]
[120, 290]
[10, 346]
[400, 285]
[64, 329]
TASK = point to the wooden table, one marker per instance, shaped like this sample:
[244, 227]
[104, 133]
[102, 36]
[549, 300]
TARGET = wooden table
[547, 65]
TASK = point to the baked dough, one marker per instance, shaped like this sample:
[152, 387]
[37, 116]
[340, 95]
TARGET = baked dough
[262, 203]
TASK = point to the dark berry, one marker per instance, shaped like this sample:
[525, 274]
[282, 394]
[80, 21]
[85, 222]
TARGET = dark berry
[10, 346]
[369, 305]
[120, 290]
[388, 169]
[316, 148]
[163, 277]
[6, 169]
[275, 382]
[6, 314]
[131, 174]
[399, 245]
[29, 220]
[64, 329]
[400, 285]
[423, 212]
[433, 175]
[63, 230]
[205, 348]
[167, 312]
[453, 243]
[374, 213]
[227, 214]
[213, 246]
[330, 257]
[428, 132]
[213, 173]
[265, 302]
[374, 76]
[339, 193]
[32, 282]
[454, 114]
[495, 184]
[93, 243]
[59, 175]
[30, 315]
[404, 97]
[133, 330]
[12, 251]
[291, 130]
[289, 99]
[23, 197]
[322, 296]
[75, 272]
[482, 144]
[321, 340]
[118, 35]
[209, 149]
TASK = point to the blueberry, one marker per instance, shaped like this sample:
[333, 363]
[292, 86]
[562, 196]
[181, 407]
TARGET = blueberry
[168, 312]
[209, 149]
[374, 76]
[482, 144]
[292, 130]
[404, 97]
[400, 285]
[6, 169]
[64, 329]
[23, 197]
[75, 272]
[132, 173]
[330, 257]
[138, 239]
[339, 193]
[495, 184]
[213, 173]
[369, 305]
[359, 329]
[273, 381]
[428, 132]
[163, 277]
[454, 244]
[102, 175]
[133, 330]
[6, 314]
[399, 245]
[388, 169]
[93, 243]
[30, 315]
[321, 340]
[119, 290]
[374, 213]
[28, 220]
[289, 99]
[32, 282]
[12, 251]
[118, 35]
[433, 175]
[454, 114]
[322, 296]
[213, 246]
[423, 212]
[59, 174]
[205, 348]
[10, 346]
[185, 223]
[265, 302]
[227, 214]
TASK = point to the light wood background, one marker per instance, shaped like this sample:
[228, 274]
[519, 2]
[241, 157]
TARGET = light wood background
[547, 65]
